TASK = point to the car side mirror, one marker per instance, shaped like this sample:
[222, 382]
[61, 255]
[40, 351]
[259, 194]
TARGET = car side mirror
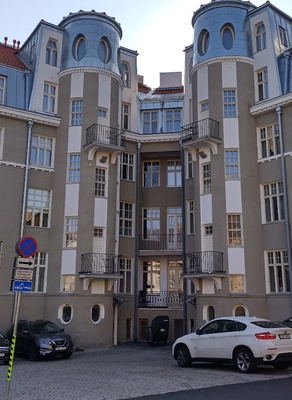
[198, 332]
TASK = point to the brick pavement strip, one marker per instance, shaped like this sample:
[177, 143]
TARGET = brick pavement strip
[122, 372]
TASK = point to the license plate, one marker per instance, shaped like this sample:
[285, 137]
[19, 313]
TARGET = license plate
[60, 348]
[2, 354]
[285, 336]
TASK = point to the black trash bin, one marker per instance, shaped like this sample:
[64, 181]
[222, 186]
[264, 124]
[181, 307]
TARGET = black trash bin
[157, 333]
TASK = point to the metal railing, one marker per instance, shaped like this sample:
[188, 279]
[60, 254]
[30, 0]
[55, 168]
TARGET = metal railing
[160, 242]
[200, 130]
[204, 262]
[104, 134]
[163, 299]
[99, 263]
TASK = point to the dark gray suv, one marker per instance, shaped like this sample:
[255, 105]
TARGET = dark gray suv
[41, 338]
[4, 349]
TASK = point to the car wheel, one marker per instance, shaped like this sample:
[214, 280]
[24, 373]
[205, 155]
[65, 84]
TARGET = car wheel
[244, 360]
[282, 365]
[183, 356]
[33, 354]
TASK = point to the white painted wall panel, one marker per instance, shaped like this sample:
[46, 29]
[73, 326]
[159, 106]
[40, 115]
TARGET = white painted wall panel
[203, 90]
[77, 84]
[236, 260]
[104, 86]
[68, 261]
[206, 209]
[72, 200]
[229, 75]
[74, 139]
[230, 133]
[100, 212]
[233, 197]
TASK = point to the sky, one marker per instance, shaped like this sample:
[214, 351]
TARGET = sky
[159, 30]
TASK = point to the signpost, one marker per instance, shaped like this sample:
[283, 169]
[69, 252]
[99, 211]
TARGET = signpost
[21, 282]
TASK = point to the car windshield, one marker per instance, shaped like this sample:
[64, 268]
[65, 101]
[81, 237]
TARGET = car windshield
[268, 324]
[45, 327]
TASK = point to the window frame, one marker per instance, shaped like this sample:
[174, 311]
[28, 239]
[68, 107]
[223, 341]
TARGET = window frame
[231, 164]
[207, 178]
[283, 36]
[151, 173]
[172, 121]
[273, 201]
[49, 98]
[263, 84]
[100, 182]
[126, 219]
[76, 112]
[127, 166]
[151, 122]
[277, 270]
[125, 74]
[39, 206]
[3, 79]
[229, 103]
[269, 138]
[71, 232]
[236, 283]
[126, 269]
[191, 217]
[74, 166]
[67, 286]
[234, 230]
[174, 173]
[39, 281]
[126, 108]
[151, 223]
[261, 37]
[42, 151]
[52, 53]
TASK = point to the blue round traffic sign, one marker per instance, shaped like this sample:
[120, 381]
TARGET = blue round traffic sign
[26, 246]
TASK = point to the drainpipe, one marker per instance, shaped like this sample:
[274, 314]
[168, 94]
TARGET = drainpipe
[185, 294]
[285, 197]
[136, 269]
[286, 73]
[26, 74]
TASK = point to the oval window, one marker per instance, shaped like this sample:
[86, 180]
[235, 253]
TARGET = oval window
[97, 313]
[67, 313]
[203, 42]
[104, 50]
[80, 48]
[227, 37]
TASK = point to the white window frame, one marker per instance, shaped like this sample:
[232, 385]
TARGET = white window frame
[126, 268]
[263, 84]
[269, 138]
[126, 219]
[125, 72]
[234, 230]
[42, 151]
[174, 173]
[277, 271]
[68, 283]
[261, 42]
[191, 219]
[40, 261]
[126, 108]
[127, 166]
[2, 88]
[207, 178]
[38, 208]
[71, 232]
[52, 52]
[100, 182]
[151, 174]
[76, 112]
[273, 200]
[229, 103]
[173, 120]
[236, 282]
[74, 160]
[49, 97]
[151, 223]
[150, 120]
[231, 164]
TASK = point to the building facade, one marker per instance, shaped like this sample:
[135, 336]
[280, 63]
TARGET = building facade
[143, 202]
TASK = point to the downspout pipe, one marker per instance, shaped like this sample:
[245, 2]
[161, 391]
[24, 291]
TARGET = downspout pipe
[286, 73]
[185, 294]
[136, 269]
[285, 198]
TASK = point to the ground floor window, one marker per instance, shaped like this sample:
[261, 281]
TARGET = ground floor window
[277, 271]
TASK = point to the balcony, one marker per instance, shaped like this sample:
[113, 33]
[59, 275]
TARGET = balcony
[104, 139]
[160, 299]
[157, 242]
[200, 133]
[99, 265]
[204, 263]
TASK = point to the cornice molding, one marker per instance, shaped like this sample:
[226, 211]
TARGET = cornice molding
[28, 115]
[203, 64]
[91, 70]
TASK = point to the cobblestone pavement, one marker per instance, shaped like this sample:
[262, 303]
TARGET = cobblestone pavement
[121, 372]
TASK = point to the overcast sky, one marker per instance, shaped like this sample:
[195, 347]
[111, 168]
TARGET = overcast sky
[158, 30]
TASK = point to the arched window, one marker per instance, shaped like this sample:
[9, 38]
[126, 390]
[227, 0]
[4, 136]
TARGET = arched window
[104, 50]
[51, 53]
[261, 37]
[97, 313]
[65, 313]
[210, 313]
[203, 42]
[227, 36]
[79, 47]
[239, 311]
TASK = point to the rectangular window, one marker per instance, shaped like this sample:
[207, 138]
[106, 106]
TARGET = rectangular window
[71, 232]
[127, 166]
[2, 89]
[173, 173]
[207, 178]
[278, 271]
[231, 164]
[208, 230]
[99, 189]
[151, 174]
[49, 98]
[173, 120]
[283, 36]
[190, 166]
[68, 283]
[229, 103]
[270, 141]
[126, 219]
[98, 232]
[74, 168]
[261, 37]
[263, 88]
[151, 276]
[205, 106]
[39, 272]
[125, 116]
[125, 74]
[234, 230]
[151, 223]
[102, 113]
[150, 122]
[38, 208]
[274, 202]
[41, 151]
[125, 284]
[76, 112]
[51, 53]
[236, 283]
[191, 207]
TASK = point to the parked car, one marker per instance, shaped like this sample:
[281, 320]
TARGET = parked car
[288, 322]
[158, 331]
[41, 338]
[4, 349]
[243, 341]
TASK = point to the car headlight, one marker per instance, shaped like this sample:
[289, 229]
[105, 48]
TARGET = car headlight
[44, 342]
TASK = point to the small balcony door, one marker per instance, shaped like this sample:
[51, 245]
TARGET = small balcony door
[174, 228]
[175, 279]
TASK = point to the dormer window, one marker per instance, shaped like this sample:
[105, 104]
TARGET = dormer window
[261, 37]
[79, 47]
[51, 53]
[104, 50]
[283, 36]
[227, 36]
[203, 42]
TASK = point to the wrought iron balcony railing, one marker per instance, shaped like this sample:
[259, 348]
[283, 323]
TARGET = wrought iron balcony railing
[160, 242]
[99, 263]
[204, 262]
[205, 128]
[160, 299]
[106, 135]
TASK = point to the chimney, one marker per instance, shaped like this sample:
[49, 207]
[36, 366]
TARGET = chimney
[14, 42]
[18, 44]
[5, 40]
